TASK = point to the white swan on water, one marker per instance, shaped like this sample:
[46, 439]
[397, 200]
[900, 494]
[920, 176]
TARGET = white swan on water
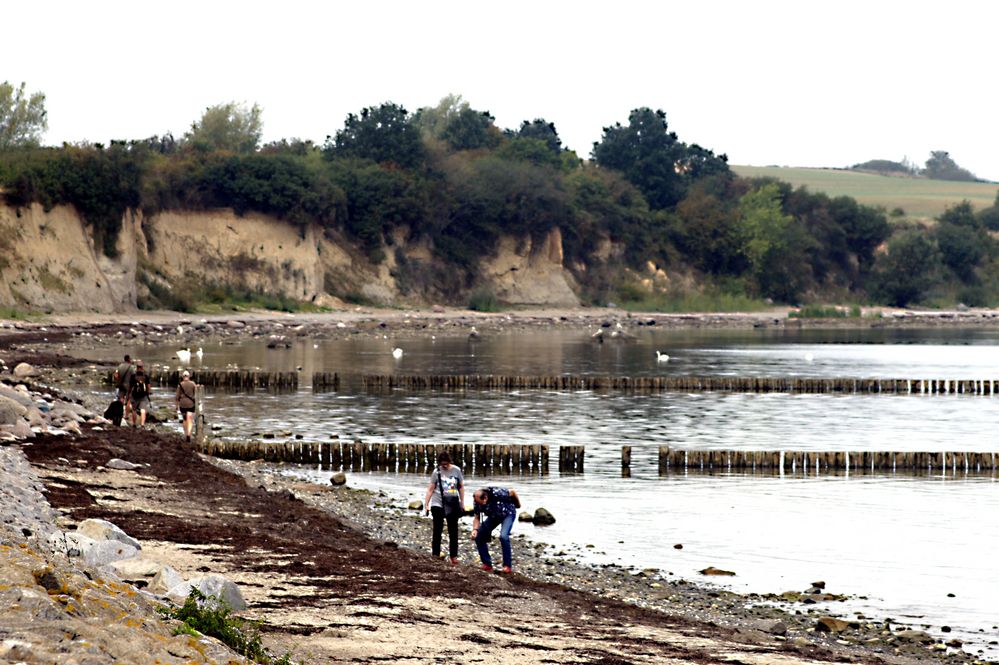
[200, 353]
[184, 355]
[809, 357]
[397, 353]
[661, 357]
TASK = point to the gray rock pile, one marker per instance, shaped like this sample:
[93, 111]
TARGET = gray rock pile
[87, 595]
[25, 412]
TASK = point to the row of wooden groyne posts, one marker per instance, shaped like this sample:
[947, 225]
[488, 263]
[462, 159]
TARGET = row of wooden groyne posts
[252, 380]
[402, 457]
[534, 458]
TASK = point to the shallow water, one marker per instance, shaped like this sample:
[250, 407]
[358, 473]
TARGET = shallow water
[903, 541]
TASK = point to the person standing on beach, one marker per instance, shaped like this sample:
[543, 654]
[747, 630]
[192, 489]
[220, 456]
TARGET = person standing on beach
[500, 508]
[445, 500]
[186, 391]
[138, 394]
[123, 379]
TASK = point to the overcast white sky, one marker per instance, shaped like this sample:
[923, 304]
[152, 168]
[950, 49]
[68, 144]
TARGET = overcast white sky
[797, 83]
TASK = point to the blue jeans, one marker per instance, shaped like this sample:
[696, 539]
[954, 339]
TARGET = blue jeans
[486, 530]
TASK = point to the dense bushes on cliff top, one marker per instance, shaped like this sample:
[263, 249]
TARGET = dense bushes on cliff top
[449, 175]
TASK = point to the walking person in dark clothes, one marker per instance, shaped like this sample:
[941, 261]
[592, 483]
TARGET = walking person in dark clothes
[500, 508]
[138, 395]
[186, 390]
[445, 500]
[123, 379]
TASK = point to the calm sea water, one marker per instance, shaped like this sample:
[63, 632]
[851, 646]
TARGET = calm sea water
[919, 549]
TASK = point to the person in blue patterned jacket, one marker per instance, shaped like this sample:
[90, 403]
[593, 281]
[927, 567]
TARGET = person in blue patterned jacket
[500, 508]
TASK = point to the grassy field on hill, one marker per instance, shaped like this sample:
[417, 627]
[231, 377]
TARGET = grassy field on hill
[918, 197]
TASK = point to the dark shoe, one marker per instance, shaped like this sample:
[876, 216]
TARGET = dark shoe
[486, 567]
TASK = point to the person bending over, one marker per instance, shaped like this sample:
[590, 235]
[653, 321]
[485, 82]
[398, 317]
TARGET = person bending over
[500, 508]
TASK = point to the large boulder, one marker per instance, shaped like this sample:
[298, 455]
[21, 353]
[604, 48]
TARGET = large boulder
[104, 530]
[122, 465]
[166, 579]
[211, 586]
[24, 370]
[19, 430]
[711, 570]
[10, 411]
[152, 576]
[834, 625]
[138, 572]
[543, 518]
[919, 636]
[22, 396]
[97, 552]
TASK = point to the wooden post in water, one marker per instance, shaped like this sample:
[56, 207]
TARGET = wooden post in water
[200, 428]
[625, 458]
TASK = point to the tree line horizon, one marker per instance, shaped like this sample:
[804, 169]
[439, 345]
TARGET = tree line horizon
[449, 175]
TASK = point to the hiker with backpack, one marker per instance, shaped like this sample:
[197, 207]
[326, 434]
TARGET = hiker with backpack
[445, 500]
[122, 380]
[186, 391]
[138, 394]
[500, 508]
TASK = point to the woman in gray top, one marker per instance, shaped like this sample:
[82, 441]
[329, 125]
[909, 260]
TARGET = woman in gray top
[445, 500]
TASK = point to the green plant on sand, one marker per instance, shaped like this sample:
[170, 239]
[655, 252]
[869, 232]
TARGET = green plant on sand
[212, 616]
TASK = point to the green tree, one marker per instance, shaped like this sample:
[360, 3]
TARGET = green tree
[529, 150]
[433, 120]
[989, 217]
[231, 127]
[706, 228]
[865, 227]
[654, 159]
[383, 134]
[23, 118]
[907, 271]
[774, 244]
[378, 200]
[606, 204]
[962, 242]
[543, 131]
[940, 166]
[469, 129]
[492, 197]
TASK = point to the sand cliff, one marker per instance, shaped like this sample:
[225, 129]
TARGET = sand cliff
[49, 262]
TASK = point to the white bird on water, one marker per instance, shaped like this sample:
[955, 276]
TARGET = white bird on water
[200, 353]
[661, 357]
[184, 355]
[809, 357]
[397, 353]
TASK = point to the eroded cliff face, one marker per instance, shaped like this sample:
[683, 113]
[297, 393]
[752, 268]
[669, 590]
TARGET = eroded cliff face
[528, 273]
[48, 262]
